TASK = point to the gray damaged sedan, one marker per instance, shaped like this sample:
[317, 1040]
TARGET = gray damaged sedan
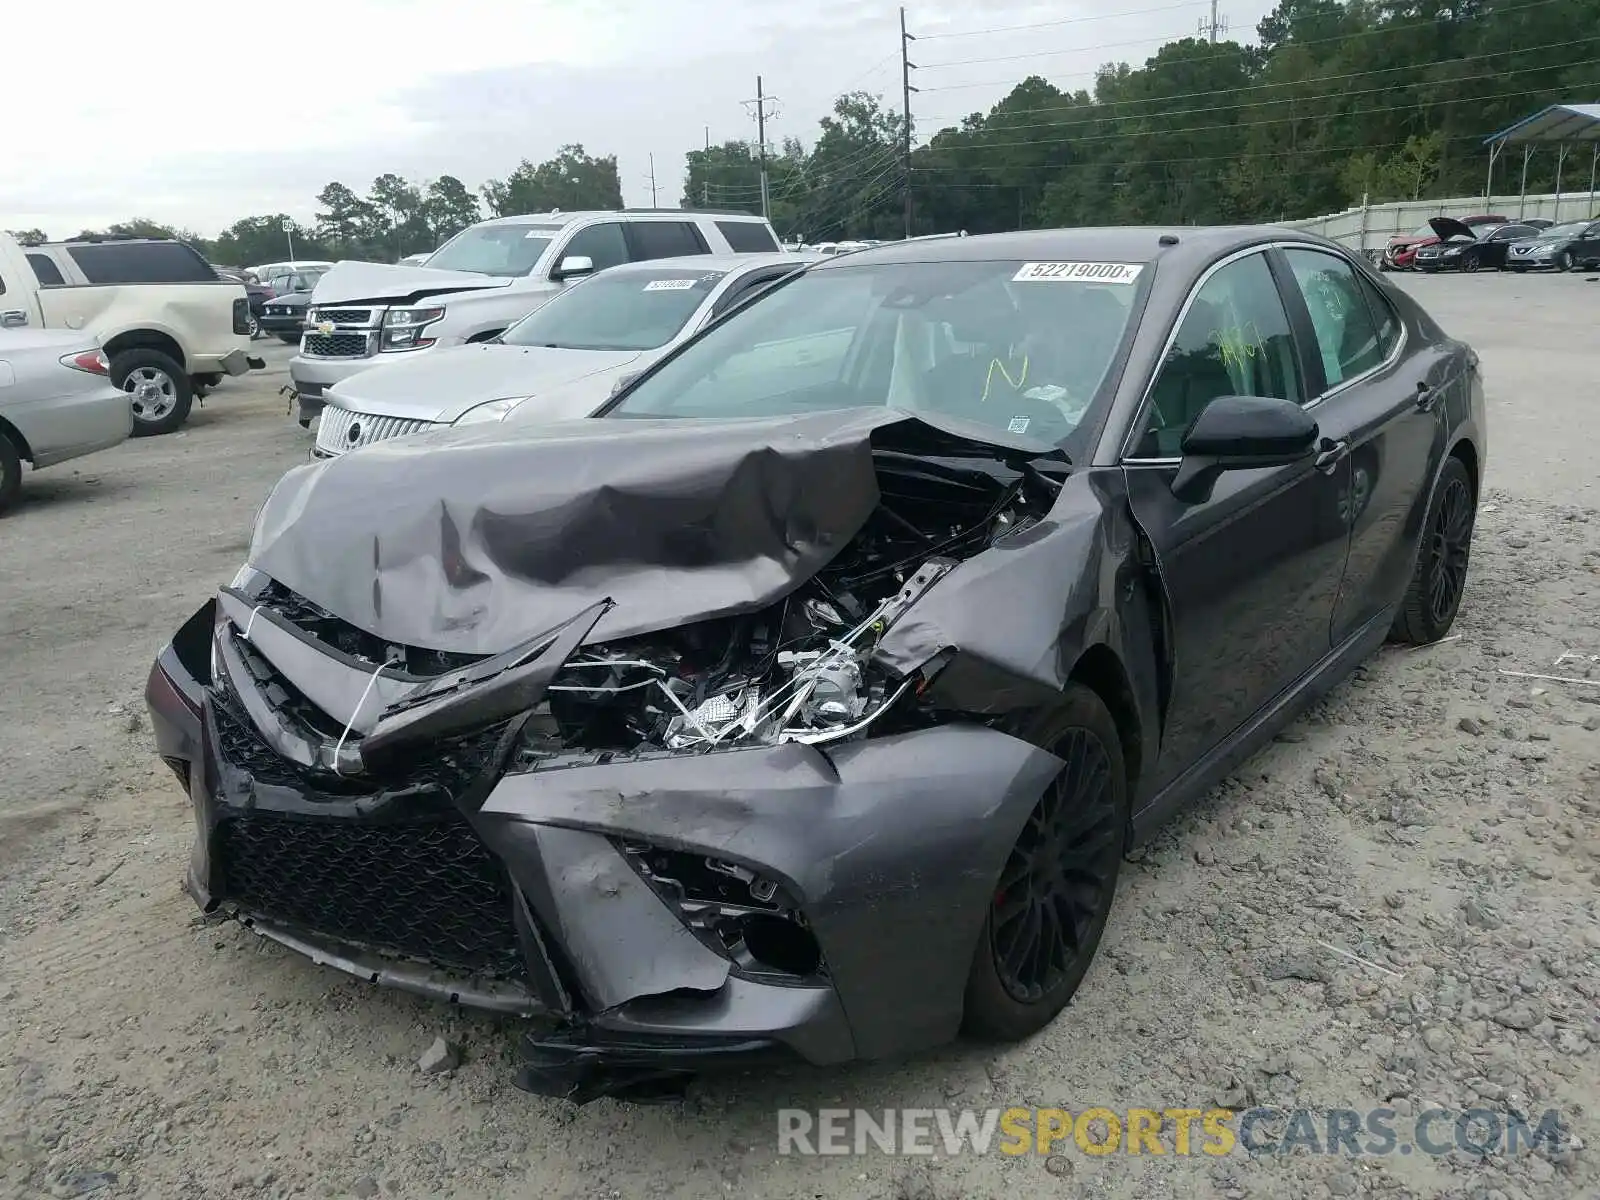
[563, 360]
[802, 706]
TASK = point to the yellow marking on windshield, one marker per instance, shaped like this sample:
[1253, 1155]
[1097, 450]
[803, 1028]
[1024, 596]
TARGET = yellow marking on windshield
[996, 365]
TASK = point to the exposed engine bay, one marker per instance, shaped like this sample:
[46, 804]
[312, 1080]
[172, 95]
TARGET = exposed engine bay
[802, 669]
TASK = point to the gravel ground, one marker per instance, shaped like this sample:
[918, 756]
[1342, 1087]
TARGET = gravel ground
[1393, 904]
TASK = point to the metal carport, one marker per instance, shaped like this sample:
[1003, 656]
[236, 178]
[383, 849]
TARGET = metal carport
[1560, 125]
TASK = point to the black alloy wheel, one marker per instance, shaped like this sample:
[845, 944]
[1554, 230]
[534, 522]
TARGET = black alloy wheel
[1470, 262]
[1440, 579]
[1565, 261]
[1055, 892]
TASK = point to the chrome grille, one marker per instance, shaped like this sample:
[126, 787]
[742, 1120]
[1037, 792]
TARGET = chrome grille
[340, 429]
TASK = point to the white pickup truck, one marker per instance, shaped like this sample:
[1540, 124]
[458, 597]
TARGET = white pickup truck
[486, 279]
[170, 325]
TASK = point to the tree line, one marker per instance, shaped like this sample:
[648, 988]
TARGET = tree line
[1336, 101]
[1382, 99]
[396, 217]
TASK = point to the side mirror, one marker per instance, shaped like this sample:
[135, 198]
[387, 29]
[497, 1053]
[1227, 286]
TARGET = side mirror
[1236, 432]
[573, 265]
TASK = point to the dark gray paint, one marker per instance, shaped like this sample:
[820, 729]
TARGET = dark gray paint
[890, 844]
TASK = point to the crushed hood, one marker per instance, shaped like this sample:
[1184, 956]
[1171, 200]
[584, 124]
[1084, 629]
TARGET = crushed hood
[442, 384]
[364, 283]
[1446, 228]
[472, 540]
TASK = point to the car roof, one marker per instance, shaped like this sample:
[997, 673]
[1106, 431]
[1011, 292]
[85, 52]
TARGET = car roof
[632, 214]
[1130, 244]
[728, 263]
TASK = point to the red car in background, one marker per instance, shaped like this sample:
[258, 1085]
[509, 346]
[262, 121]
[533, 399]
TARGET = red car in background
[1401, 252]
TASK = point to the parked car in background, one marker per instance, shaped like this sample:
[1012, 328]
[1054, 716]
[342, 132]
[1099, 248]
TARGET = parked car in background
[284, 316]
[560, 361]
[1401, 252]
[804, 704]
[266, 271]
[1537, 222]
[258, 293]
[170, 325]
[1561, 248]
[57, 402]
[1462, 248]
[485, 279]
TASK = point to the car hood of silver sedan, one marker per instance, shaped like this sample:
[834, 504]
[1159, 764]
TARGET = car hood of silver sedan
[441, 385]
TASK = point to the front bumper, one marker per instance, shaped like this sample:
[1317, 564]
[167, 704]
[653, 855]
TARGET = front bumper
[543, 894]
[312, 376]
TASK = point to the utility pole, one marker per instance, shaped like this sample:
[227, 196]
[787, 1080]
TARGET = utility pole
[906, 67]
[652, 181]
[761, 101]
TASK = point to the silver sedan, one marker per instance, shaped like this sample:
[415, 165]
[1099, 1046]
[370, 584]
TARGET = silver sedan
[57, 402]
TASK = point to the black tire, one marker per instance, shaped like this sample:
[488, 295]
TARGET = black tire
[135, 370]
[1470, 263]
[1565, 262]
[255, 327]
[10, 472]
[289, 339]
[1438, 580]
[1075, 835]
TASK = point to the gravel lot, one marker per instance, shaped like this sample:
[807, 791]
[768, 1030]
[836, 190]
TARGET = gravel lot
[1435, 819]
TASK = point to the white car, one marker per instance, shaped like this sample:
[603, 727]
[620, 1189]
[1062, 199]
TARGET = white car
[57, 402]
[561, 361]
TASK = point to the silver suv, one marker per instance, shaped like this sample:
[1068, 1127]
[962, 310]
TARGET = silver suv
[487, 278]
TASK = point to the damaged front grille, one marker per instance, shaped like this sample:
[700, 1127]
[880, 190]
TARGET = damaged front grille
[349, 639]
[427, 889]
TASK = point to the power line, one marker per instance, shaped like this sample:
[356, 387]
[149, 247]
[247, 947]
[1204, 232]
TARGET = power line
[1057, 169]
[1137, 12]
[1381, 30]
[1253, 87]
[1062, 127]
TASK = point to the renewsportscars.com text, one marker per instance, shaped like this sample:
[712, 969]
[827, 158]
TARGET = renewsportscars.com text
[1166, 1131]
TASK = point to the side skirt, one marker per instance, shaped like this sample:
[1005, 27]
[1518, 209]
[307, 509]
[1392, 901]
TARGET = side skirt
[1228, 754]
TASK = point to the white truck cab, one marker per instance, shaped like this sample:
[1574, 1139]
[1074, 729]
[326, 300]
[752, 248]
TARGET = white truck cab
[485, 279]
[169, 324]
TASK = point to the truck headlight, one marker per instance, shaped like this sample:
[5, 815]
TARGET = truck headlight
[489, 410]
[403, 327]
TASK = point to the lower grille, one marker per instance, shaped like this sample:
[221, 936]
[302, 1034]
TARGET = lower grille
[337, 345]
[341, 430]
[428, 891]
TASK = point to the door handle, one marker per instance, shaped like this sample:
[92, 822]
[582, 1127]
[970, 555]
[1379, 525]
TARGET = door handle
[1426, 396]
[13, 318]
[1331, 455]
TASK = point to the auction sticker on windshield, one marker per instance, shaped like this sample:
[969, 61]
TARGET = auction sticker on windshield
[670, 285]
[1077, 272]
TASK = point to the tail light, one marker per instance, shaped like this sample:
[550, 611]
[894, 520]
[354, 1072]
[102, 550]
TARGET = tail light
[241, 316]
[92, 361]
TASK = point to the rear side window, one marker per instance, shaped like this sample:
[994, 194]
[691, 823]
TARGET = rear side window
[1383, 313]
[141, 262]
[665, 239]
[1347, 336]
[748, 237]
[45, 270]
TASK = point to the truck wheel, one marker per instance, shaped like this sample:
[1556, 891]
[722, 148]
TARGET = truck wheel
[158, 389]
[10, 472]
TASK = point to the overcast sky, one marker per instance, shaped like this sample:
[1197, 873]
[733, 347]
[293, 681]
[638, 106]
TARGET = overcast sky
[194, 116]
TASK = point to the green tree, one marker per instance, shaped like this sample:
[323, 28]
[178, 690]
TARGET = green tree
[569, 182]
[29, 237]
[449, 208]
[350, 226]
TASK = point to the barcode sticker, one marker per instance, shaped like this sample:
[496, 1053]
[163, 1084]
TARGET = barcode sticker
[669, 285]
[1077, 272]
